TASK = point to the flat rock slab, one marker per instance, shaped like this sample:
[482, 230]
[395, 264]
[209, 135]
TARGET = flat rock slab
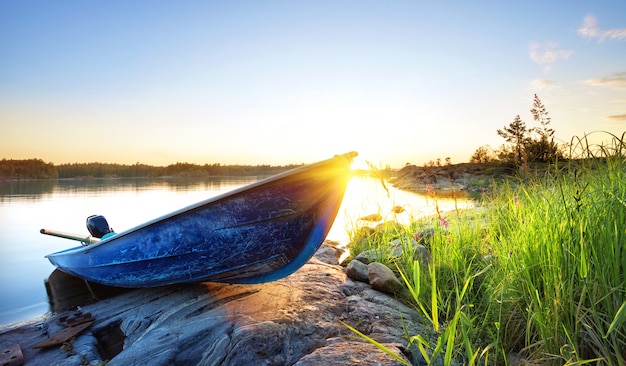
[64, 335]
[296, 320]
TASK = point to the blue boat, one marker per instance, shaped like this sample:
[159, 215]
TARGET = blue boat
[258, 233]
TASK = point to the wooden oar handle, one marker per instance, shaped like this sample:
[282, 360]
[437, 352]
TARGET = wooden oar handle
[83, 239]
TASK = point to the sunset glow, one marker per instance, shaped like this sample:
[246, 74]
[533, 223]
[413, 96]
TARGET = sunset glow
[160, 82]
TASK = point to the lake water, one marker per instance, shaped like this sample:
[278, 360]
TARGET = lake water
[63, 205]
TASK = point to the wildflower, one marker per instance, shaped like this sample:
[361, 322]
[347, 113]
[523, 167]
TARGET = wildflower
[444, 222]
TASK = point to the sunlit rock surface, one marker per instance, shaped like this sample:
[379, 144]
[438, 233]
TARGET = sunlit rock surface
[296, 320]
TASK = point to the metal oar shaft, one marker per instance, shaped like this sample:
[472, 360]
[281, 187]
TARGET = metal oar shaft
[83, 239]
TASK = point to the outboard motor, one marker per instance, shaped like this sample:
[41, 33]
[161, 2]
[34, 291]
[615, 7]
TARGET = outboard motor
[98, 226]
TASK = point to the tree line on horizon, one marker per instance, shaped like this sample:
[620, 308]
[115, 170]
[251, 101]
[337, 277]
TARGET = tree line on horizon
[38, 169]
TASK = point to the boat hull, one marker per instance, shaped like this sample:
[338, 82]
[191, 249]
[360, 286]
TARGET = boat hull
[258, 233]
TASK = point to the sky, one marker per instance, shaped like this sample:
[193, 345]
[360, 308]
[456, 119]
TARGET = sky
[290, 82]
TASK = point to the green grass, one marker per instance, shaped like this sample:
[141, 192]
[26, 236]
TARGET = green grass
[537, 271]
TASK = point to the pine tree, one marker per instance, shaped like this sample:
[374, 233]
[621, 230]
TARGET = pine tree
[516, 133]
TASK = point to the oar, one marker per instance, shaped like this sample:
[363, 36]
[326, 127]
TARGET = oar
[83, 239]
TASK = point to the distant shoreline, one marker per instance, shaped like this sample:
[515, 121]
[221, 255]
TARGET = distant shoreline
[5, 179]
[38, 169]
[32, 169]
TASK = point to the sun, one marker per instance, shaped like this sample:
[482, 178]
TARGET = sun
[360, 164]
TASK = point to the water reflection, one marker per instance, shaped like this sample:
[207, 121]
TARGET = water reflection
[369, 198]
[143, 184]
[39, 189]
[27, 189]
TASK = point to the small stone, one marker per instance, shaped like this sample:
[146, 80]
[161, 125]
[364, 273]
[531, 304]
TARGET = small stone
[422, 255]
[357, 270]
[396, 249]
[367, 257]
[383, 279]
[329, 254]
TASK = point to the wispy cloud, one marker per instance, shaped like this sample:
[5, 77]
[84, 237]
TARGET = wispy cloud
[547, 53]
[616, 81]
[591, 29]
[546, 86]
[542, 83]
[617, 118]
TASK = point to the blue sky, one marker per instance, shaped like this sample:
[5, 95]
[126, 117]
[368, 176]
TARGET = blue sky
[268, 82]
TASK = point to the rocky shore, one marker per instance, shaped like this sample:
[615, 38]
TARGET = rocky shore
[293, 321]
[469, 177]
